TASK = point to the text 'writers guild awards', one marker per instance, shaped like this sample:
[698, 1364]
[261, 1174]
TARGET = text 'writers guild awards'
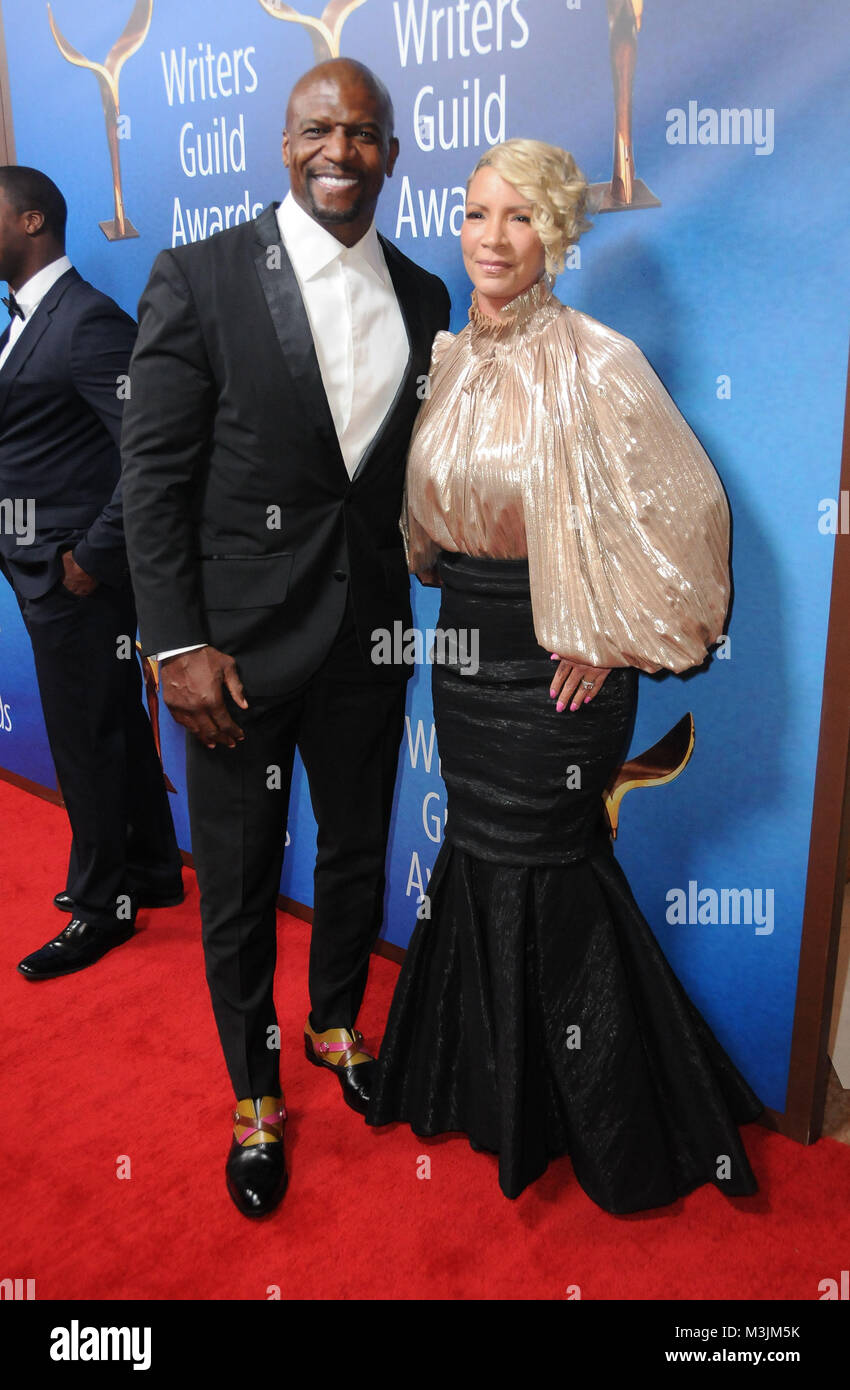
[119, 227]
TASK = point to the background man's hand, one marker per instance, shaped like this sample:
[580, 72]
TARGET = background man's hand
[76, 579]
[192, 685]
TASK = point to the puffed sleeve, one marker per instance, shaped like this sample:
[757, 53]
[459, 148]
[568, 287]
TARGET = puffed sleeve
[420, 549]
[627, 523]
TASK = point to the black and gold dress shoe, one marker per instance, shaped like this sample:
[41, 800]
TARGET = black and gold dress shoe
[79, 945]
[341, 1050]
[256, 1165]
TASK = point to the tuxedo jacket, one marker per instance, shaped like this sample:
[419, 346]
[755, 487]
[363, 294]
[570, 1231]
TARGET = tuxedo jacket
[244, 529]
[61, 398]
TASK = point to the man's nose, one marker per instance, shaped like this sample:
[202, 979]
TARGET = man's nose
[338, 145]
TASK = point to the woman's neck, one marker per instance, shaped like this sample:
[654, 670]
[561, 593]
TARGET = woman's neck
[492, 308]
[513, 312]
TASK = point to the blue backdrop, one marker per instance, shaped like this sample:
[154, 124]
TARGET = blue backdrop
[735, 288]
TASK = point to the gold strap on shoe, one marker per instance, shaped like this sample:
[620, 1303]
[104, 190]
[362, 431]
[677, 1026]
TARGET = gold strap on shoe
[341, 1047]
[261, 1121]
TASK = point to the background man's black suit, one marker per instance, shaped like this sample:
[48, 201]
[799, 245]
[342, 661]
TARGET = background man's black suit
[228, 422]
[60, 424]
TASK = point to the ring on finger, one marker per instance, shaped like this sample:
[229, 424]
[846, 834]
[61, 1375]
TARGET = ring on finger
[588, 685]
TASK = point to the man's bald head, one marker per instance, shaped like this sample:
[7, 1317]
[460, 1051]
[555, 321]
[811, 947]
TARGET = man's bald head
[338, 145]
[349, 71]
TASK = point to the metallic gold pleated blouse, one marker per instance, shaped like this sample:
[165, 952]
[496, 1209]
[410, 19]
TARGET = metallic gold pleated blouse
[547, 435]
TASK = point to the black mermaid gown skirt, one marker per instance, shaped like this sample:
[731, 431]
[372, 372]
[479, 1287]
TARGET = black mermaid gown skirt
[535, 1011]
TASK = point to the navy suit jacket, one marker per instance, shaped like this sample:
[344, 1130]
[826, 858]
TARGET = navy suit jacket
[61, 402]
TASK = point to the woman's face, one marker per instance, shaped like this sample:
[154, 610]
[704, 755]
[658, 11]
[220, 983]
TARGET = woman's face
[502, 252]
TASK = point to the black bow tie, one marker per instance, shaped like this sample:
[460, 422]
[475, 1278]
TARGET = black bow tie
[14, 307]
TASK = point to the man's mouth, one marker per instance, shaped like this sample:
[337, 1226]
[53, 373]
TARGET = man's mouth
[335, 183]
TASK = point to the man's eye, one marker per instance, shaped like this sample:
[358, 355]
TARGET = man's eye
[366, 135]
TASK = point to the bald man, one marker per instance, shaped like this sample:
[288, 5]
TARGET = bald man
[274, 385]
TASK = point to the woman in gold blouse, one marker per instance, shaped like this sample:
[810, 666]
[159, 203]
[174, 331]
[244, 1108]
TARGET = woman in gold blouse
[570, 516]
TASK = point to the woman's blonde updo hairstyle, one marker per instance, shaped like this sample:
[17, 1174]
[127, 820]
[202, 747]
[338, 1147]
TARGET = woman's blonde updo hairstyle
[549, 178]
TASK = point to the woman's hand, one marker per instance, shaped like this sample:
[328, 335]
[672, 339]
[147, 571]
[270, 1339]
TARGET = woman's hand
[576, 684]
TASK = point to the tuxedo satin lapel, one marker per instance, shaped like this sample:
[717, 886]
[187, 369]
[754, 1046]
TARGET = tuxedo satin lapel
[32, 335]
[409, 304]
[292, 327]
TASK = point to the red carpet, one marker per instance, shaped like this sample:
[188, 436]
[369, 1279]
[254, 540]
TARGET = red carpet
[123, 1060]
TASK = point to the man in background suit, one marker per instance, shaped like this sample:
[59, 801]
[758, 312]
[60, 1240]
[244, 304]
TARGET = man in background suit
[275, 381]
[63, 358]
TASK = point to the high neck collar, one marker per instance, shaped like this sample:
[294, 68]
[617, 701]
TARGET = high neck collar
[514, 315]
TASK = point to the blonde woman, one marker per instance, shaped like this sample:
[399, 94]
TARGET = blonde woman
[573, 521]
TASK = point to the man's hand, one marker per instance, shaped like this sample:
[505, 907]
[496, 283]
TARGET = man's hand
[192, 685]
[76, 579]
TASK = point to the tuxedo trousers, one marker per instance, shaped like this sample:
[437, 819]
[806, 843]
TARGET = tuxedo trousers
[110, 776]
[347, 728]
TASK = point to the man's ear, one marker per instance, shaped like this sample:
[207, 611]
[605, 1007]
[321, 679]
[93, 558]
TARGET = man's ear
[285, 148]
[392, 156]
[33, 222]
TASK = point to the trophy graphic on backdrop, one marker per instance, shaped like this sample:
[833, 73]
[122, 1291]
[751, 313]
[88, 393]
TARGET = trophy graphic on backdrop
[625, 190]
[119, 227]
[655, 767]
[325, 32]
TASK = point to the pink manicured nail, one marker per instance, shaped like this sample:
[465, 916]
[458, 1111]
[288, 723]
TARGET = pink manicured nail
[560, 706]
[554, 656]
[574, 706]
[552, 694]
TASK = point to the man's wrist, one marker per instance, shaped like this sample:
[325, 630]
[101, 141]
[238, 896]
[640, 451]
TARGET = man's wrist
[178, 651]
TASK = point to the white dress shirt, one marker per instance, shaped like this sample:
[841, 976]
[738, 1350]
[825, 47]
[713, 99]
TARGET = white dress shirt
[357, 326]
[29, 296]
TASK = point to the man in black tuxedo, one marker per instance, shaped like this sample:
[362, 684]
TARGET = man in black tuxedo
[63, 358]
[277, 374]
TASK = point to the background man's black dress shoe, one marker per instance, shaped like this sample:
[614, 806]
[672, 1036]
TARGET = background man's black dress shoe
[256, 1165]
[341, 1050]
[144, 898]
[79, 945]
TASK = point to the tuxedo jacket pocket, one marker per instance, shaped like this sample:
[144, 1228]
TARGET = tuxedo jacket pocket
[245, 581]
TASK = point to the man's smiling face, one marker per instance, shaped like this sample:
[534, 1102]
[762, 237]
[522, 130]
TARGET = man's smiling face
[339, 148]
